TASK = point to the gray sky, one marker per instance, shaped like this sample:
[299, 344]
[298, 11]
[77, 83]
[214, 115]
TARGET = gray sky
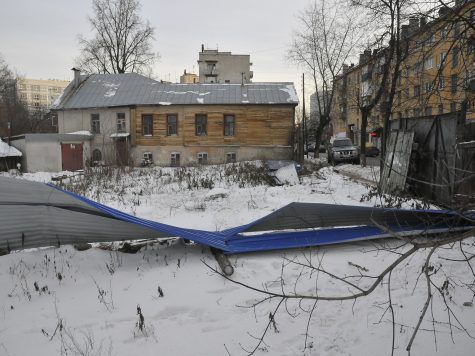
[39, 38]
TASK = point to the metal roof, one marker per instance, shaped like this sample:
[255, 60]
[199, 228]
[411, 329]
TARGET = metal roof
[110, 90]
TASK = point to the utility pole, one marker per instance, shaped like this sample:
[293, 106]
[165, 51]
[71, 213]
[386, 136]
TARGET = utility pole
[304, 119]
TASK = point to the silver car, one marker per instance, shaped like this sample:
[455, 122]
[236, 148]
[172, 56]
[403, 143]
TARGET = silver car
[343, 150]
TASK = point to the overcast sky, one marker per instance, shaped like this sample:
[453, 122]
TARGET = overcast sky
[38, 39]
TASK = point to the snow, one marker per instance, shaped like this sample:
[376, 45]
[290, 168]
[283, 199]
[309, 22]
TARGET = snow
[203, 314]
[166, 103]
[200, 100]
[111, 89]
[120, 134]
[290, 90]
[287, 175]
[85, 133]
[8, 151]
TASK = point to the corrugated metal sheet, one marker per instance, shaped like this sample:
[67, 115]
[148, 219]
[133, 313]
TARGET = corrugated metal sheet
[35, 215]
[110, 90]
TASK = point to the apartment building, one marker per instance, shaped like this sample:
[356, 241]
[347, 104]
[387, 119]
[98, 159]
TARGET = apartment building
[224, 67]
[436, 75]
[38, 93]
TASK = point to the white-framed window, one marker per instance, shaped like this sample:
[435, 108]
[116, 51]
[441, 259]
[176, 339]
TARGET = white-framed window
[202, 157]
[121, 127]
[429, 63]
[95, 124]
[442, 57]
[231, 157]
[175, 159]
[147, 159]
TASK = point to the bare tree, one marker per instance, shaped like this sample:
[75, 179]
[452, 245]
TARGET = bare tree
[122, 41]
[326, 38]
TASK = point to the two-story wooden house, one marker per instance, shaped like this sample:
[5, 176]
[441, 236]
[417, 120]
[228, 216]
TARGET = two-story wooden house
[134, 119]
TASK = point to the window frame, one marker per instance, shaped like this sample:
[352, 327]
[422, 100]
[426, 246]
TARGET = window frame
[151, 125]
[225, 126]
[202, 157]
[228, 154]
[176, 124]
[120, 118]
[95, 119]
[173, 156]
[203, 132]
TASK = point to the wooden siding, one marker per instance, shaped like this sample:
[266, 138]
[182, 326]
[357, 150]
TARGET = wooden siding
[254, 125]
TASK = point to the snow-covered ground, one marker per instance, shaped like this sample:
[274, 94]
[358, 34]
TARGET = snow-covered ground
[94, 294]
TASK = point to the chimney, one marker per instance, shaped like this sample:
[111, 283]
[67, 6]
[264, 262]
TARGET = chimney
[184, 72]
[202, 47]
[345, 68]
[77, 77]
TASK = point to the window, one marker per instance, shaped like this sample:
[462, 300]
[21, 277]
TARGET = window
[96, 156]
[417, 90]
[35, 88]
[228, 125]
[444, 32]
[121, 122]
[172, 124]
[428, 87]
[200, 123]
[417, 112]
[36, 96]
[147, 125]
[455, 57]
[202, 158]
[417, 67]
[441, 109]
[428, 111]
[453, 107]
[429, 63]
[453, 83]
[175, 159]
[147, 159]
[22, 87]
[231, 157]
[95, 124]
[442, 57]
[441, 81]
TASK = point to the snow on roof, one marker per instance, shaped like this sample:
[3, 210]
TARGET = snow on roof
[113, 90]
[8, 151]
[120, 134]
[85, 133]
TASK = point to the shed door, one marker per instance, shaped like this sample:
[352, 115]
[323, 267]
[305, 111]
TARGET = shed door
[72, 156]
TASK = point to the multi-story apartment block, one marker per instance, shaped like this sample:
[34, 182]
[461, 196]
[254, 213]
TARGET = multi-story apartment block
[38, 93]
[224, 67]
[436, 75]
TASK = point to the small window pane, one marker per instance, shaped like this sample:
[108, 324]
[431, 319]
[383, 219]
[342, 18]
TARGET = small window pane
[175, 160]
[202, 158]
[201, 125]
[231, 157]
[95, 124]
[121, 127]
[228, 125]
[172, 125]
[147, 125]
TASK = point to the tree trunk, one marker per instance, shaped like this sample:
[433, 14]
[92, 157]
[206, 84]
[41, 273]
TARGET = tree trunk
[364, 125]
[323, 122]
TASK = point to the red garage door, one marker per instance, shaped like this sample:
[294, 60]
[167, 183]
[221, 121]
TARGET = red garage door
[72, 156]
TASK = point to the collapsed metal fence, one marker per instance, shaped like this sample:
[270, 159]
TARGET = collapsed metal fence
[35, 215]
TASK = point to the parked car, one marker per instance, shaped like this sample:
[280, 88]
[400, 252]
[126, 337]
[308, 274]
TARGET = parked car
[372, 151]
[310, 148]
[343, 150]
